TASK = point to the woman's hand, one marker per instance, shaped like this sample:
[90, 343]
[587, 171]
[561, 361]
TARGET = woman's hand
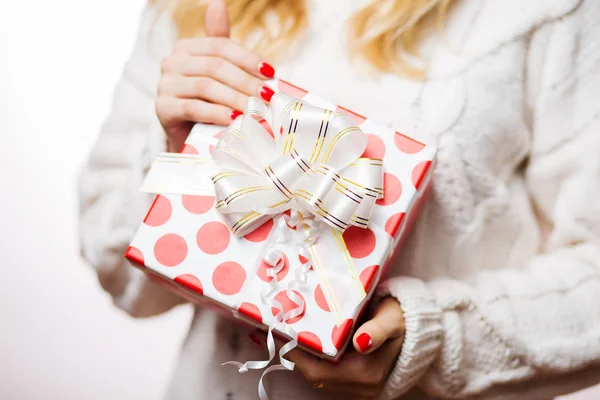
[361, 373]
[208, 79]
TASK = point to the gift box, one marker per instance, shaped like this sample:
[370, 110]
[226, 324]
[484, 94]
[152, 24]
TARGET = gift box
[305, 272]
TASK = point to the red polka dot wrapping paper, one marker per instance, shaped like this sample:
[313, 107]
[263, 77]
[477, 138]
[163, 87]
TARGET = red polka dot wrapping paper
[185, 241]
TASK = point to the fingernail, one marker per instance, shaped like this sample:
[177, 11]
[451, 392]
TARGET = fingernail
[364, 342]
[266, 93]
[266, 69]
[234, 114]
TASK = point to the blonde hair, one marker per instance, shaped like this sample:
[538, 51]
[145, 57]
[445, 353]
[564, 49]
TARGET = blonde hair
[384, 34]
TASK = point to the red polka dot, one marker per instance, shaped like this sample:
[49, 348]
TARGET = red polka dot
[134, 254]
[290, 89]
[261, 233]
[375, 147]
[262, 270]
[266, 127]
[419, 173]
[311, 340]
[302, 259]
[211, 148]
[367, 277]
[358, 119]
[320, 299]
[189, 149]
[392, 189]
[197, 204]
[339, 335]
[191, 282]
[407, 145]
[288, 305]
[160, 211]
[170, 250]
[213, 237]
[393, 223]
[228, 278]
[251, 311]
[360, 242]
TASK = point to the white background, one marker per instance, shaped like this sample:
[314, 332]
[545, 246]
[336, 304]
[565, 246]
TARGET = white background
[60, 336]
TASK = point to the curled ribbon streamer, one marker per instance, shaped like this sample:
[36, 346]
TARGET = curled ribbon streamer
[275, 262]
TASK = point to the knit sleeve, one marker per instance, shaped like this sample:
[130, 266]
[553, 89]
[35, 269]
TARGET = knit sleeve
[533, 332]
[111, 204]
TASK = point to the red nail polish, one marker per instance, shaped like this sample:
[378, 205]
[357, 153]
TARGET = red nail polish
[364, 342]
[266, 93]
[234, 114]
[266, 69]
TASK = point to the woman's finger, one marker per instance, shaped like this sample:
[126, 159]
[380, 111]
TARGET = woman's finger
[355, 373]
[175, 109]
[216, 21]
[217, 68]
[229, 50]
[203, 88]
[387, 323]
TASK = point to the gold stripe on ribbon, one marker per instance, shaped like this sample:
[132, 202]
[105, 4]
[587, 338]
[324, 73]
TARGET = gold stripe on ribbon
[345, 189]
[337, 137]
[236, 132]
[294, 118]
[228, 150]
[300, 161]
[243, 192]
[326, 285]
[177, 159]
[377, 162]
[244, 220]
[216, 178]
[373, 192]
[257, 113]
[308, 196]
[325, 119]
[198, 191]
[322, 212]
[277, 182]
[339, 239]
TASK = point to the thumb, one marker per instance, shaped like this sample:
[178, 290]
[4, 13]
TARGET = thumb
[217, 19]
[387, 323]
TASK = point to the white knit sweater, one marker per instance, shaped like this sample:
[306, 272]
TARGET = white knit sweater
[494, 306]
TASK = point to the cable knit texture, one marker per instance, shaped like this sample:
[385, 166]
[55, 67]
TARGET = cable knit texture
[499, 279]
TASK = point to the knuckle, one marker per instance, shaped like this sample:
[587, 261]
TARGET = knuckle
[162, 86]
[160, 105]
[214, 64]
[251, 86]
[216, 45]
[190, 110]
[166, 64]
[203, 85]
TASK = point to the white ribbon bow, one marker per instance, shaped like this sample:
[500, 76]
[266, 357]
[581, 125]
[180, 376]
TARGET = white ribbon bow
[294, 155]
